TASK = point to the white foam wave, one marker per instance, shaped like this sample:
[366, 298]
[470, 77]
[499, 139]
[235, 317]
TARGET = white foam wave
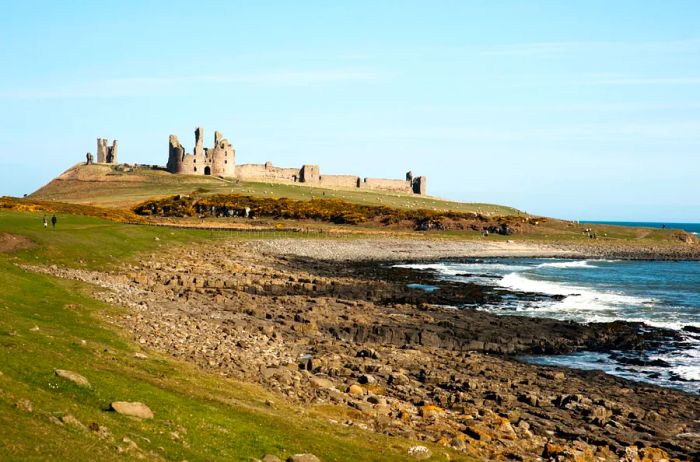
[577, 298]
[688, 372]
[673, 325]
[454, 269]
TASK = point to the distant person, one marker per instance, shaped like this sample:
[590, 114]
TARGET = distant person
[53, 221]
[46, 222]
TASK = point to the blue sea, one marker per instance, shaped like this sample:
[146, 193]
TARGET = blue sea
[689, 227]
[658, 293]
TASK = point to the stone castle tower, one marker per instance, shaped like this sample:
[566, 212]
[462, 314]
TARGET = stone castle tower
[106, 154]
[219, 160]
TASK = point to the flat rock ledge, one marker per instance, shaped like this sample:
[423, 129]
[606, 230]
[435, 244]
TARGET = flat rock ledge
[135, 409]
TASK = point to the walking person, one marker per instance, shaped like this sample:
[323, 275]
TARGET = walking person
[46, 222]
[53, 221]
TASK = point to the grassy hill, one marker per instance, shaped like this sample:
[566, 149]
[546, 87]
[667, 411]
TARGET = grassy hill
[109, 186]
[48, 323]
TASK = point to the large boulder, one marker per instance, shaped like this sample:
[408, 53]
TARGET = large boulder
[134, 409]
[73, 377]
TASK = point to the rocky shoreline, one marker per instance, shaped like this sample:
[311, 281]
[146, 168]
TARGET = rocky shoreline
[315, 323]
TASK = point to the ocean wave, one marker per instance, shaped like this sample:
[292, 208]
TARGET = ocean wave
[577, 298]
[455, 269]
[691, 373]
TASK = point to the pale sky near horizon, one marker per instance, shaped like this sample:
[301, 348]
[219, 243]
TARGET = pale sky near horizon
[575, 109]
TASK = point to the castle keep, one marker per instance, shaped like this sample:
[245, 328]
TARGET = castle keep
[221, 161]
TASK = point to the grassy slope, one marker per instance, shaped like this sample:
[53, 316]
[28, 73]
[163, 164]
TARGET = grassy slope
[224, 419]
[154, 183]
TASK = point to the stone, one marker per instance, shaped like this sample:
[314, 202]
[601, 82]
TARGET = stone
[552, 450]
[368, 353]
[430, 410]
[321, 382]
[506, 430]
[356, 390]
[367, 379]
[74, 377]
[134, 409]
[130, 445]
[303, 458]
[654, 454]
[24, 405]
[364, 407]
[399, 379]
[270, 458]
[478, 432]
[420, 452]
[70, 420]
[530, 398]
[600, 415]
[100, 430]
[382, 409]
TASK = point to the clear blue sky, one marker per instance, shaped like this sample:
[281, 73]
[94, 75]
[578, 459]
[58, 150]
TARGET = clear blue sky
[578, 109]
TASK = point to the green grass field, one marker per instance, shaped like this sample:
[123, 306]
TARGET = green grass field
[48, 323]
[128, 189]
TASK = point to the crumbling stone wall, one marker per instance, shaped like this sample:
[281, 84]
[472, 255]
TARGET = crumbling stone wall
[106, 154]
[340, 181]
[267, 172]
[382, 184]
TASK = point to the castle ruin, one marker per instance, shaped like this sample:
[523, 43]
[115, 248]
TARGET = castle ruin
[221, 161]
[106, 154]
[218, 161]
